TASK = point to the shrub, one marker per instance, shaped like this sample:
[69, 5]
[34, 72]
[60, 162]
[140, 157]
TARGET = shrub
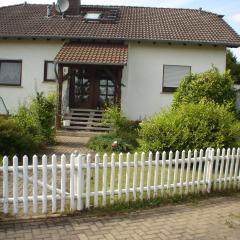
[105, 143]
[14, 140]
[39, 118]
[208, 86]
[191, 126]
[125, 133]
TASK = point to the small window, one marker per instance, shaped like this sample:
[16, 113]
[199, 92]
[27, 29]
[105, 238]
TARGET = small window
[172, 76]
[10, 72]
[49, 71]
[92, 16]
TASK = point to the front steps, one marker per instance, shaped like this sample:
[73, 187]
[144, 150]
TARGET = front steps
[90, 120]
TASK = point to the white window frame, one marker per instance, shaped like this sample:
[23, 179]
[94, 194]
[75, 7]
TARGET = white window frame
[166, 88]
[20, 77]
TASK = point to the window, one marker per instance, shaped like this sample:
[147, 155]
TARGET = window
[49, 71]
[172, 76]
[10, 72]
[92, 16]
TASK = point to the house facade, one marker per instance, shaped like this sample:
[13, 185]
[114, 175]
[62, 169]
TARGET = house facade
[93, 55]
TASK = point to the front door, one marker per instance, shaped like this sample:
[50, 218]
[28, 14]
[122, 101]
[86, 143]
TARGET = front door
[92, 87]
[81, 88]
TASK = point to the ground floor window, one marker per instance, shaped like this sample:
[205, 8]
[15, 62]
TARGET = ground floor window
[10, 72]
[172, 76]
[49, 71]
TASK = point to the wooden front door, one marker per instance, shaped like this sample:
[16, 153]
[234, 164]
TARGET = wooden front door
[92, 87]
[81, 88]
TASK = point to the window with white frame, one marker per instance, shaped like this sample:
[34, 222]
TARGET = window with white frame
[10, 72]
[49, 71]
[172, 76]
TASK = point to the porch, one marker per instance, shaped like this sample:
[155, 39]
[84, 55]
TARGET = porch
[89, 79]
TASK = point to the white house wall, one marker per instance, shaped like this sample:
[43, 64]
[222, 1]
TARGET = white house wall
[33, 54]
[142, 95]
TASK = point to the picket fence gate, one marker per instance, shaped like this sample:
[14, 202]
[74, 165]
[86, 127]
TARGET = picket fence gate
[121, 178]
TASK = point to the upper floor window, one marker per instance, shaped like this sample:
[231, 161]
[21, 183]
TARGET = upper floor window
[91, 16]
[10, 72]
[49, 71]
[172, 76]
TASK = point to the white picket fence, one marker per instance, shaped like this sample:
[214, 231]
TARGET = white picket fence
[82, 182]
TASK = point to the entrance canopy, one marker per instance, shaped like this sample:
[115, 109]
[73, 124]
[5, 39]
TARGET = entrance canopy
[93, 53]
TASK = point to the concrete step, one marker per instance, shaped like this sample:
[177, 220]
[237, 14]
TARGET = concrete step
[95, 129]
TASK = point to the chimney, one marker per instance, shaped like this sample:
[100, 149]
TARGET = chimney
[74, 7]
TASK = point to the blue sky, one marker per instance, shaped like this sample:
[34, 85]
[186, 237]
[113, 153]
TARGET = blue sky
[229, 8]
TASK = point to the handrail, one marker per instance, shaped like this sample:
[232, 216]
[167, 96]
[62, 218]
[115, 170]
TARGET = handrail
[4, 105]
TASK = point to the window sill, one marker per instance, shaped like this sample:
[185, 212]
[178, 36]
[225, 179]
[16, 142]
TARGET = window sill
[49, 81]
[11, 86]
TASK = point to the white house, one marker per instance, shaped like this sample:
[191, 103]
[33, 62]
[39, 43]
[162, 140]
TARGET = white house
[133, 56]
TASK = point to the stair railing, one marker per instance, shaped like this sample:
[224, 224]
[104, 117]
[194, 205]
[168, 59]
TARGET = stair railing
[3, 107]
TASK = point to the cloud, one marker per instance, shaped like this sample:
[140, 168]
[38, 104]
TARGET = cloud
[236, 17]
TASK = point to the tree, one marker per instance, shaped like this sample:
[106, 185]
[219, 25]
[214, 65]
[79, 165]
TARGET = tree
[208, 86]
[233, 65]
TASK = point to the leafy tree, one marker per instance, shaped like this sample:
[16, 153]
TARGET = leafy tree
[208, 86]
[233, 65]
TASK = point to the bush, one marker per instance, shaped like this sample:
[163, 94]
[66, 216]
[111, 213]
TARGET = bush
[14, 140]
[38, 119]
[191, 126]
[125, 133]
[109, 143]
[207, 86]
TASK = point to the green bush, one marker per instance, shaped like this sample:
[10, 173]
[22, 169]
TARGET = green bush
[105, 143]
[125, 133]
[208, 86]
[190, 126]
[14, 140]
[39, 118]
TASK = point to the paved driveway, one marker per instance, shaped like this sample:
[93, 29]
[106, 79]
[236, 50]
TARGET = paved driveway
[216, 218]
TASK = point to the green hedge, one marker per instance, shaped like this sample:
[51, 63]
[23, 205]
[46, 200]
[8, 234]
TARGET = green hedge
[190, 126]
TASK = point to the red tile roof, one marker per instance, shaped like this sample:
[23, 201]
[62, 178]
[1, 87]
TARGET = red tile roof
[93, 53]
[133, 23]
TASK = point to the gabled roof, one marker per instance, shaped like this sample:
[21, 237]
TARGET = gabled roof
[133, 23]
[93, 53]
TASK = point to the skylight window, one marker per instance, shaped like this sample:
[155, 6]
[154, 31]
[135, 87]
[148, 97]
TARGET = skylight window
[92, 16]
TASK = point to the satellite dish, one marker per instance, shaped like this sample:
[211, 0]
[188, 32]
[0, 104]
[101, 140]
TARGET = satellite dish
[62, 6]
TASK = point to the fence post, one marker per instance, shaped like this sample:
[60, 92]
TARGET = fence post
[236, 168]
[96, 180]
[142, 175]
[156, 175]
[35, 184]
[163, 173]
[5, 185]
[182, 171]
[128, 177]
[188, 171]
[210, 168]
[15, 185]
[63, 182]
[169, 177]
[79, 183]
[44, 187]
[231, 168]
[54, 183]
[72, 178]
[149, 176]
[135, 175]
[25, 184]
[104, 180]
[112, 179]
[176, 173]
[120, 177]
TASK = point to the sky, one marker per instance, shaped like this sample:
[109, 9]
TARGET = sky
[229, 8]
